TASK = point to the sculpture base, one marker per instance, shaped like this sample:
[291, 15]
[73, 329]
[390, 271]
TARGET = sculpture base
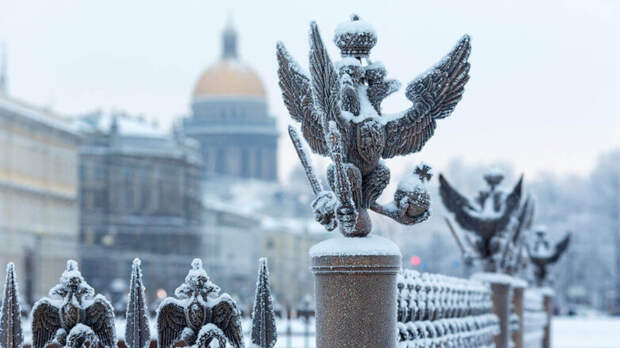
[355, 292]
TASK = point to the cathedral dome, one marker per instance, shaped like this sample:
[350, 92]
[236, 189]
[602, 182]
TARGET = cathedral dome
[229, 77]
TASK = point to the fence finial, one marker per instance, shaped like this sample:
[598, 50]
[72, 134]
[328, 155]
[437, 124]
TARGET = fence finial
[137, 332]
[11, 335]
[264, 333]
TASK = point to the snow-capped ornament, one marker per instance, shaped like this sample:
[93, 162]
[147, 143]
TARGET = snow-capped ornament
[72, 314]
[487, 218]
[542, 254]
[339, 108]
[199, 314]
[355, 38]
[264, 330]
[137, 332]
[11, 335]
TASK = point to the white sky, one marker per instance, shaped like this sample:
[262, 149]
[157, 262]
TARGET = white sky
[543, 95]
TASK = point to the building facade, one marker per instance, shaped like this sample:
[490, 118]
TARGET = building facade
[38, 194]
[139, 197]
[229, 119]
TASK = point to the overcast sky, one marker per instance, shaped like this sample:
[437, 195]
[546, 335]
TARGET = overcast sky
[544, 92]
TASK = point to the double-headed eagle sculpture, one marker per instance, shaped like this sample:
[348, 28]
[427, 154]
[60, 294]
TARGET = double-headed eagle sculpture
[488, 217]
[72, 315]
[199, 314]
[542, 254]
[339, 108]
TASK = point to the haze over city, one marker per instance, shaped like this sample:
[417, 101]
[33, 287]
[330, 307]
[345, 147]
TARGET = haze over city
[543, 93]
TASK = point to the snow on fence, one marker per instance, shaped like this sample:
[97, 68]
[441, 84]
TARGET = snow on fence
[440, 311]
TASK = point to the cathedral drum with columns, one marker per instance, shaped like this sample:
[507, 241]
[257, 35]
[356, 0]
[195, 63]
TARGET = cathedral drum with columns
[238, 139]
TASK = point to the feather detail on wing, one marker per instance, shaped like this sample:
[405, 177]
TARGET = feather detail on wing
[560, 248]
[227, 317]
[297, 95]
[325, 83]
[457, 204]
[45, 323]
[100, 318]
[434, 95]
[170, 322]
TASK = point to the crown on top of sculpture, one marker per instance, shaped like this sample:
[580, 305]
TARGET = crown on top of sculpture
[355, 38]
[494, 177]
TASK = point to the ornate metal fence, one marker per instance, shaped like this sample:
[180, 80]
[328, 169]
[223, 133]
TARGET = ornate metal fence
[441, 311]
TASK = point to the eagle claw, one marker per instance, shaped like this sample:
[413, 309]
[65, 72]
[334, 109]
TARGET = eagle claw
[324, 206]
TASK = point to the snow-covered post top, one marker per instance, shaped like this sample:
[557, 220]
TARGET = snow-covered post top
[339, 108]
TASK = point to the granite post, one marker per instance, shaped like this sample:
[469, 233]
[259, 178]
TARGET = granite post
[519, 309]
[548, 307]
[501, 288]
[355, 292]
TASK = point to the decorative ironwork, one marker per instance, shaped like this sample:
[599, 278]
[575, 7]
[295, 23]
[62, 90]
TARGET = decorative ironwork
[542, 254]
[264, 331]
[441, 311]
[199, 314]
[11, 335]
[72, 314]
[339, 108]
[488, 218]
[137, 331]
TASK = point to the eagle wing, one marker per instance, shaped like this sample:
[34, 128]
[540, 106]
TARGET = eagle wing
[325, 86]
[170, 322]
[297, 95]
[458, 205]
[227, 317]
[45, 323]
[434, 95]
[100, 318]
[560, 248]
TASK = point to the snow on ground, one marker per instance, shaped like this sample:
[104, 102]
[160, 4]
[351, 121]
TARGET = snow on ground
[586, 332]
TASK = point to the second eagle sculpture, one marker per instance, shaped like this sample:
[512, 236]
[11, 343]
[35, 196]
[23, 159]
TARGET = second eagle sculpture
[339, 108]
[72, 315]
[199, 314]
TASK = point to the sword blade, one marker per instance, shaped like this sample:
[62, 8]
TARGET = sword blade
[305, 161]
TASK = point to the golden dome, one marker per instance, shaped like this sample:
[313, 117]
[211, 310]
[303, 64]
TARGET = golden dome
[229, 77]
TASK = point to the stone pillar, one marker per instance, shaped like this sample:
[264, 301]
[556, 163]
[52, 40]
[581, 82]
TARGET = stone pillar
[548, 307]
[355, 292]
[501, 287]
[518, 307]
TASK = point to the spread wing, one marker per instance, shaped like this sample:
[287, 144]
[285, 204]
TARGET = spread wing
[227, 317]
[560, 248]
[457, 204]
[514, 197]
[325, 84]
[297, 95]
[100, 318]
[45, 323]
[170, 322]
[434, 95]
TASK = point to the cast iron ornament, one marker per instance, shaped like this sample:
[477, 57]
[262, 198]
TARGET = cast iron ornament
[542, 254]
[199, 314]
[488, 217]
[339, 108]
[73, 315]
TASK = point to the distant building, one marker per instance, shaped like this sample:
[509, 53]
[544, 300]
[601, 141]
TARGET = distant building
[238, 234]
[38, 194]
[229, 119]
[139, 197]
